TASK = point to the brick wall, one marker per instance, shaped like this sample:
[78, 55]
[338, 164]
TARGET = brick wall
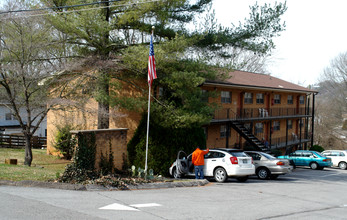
[237, 101]
[109, 140]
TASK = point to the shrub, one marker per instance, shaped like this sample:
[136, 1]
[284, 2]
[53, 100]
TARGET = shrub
[344, 126]
[83, 166]
[64, 142]
[317, 148]
[106, 162]
[163, 145]
[276, 152]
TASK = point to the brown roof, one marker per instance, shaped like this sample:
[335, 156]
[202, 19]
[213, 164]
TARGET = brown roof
[263, 81]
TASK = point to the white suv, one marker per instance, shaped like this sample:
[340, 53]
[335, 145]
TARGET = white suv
[338, 157]
[219, 163]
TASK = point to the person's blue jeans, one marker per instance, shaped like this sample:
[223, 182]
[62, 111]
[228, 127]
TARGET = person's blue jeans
[199, 172]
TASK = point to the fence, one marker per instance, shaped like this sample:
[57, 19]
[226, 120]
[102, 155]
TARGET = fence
[18, 141]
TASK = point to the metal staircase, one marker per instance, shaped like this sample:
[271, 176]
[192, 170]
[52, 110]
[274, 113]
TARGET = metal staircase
[253, 140]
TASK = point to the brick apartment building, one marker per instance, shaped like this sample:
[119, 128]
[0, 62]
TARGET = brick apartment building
[256, 110]
[260, 111]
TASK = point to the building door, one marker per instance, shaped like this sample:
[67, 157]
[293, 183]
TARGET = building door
[240, 104]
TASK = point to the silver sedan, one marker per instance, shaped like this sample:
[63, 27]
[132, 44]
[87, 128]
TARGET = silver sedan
[268, 166]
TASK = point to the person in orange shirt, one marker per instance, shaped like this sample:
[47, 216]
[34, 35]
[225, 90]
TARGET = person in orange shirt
[198, 161]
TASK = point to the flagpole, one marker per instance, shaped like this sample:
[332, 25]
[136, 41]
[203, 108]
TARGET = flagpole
[149, 111]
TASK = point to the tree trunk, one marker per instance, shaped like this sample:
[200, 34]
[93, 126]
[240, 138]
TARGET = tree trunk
[28, 152]
[103, 105]
[103, 115]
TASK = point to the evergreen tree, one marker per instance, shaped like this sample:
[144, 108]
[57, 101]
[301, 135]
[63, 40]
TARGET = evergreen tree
[114, 36]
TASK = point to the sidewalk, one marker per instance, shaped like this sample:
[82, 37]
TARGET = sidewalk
[94, 187]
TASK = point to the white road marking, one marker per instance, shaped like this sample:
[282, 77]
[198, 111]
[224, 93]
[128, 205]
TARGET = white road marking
[119, 207]
[145, 205]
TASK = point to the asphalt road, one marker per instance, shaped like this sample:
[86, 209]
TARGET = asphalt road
[303, 194]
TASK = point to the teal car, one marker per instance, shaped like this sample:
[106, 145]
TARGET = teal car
[313, 159]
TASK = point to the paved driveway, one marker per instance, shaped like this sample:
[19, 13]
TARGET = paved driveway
[304, 194]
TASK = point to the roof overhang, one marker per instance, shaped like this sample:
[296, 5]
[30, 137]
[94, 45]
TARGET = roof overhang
[260, 88]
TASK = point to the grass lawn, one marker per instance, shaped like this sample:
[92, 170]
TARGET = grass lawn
[43, 168]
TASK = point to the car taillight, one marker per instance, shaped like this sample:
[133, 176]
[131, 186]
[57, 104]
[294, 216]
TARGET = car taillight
[325, 160]
[280, 163]
[234, 160]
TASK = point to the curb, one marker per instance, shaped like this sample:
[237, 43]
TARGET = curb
[53, 185]
[95, 187]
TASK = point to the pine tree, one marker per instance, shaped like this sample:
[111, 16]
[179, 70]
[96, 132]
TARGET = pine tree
[113, 37]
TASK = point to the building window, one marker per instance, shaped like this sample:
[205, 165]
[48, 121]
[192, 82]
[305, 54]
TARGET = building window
[276, 126]
[277, 99]
[248, 98]
[260, 98]
[258, 128]
[290, 99]
[205, 131]
[8, 116]
[226, 97]
[204, 95]
[161, 91]
[302, 99]
[301, 123]
[290, 124]
[223, 131]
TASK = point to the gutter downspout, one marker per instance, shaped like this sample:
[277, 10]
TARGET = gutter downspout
[313, 107]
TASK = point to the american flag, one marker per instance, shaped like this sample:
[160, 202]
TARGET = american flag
[152, 73]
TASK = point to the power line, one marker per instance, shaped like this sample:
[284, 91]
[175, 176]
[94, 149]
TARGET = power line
[59, 7]
[71, 6]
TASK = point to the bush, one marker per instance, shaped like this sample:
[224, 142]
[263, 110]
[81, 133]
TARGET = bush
[106, 162]
[276, 152]
[83, 166]
[163, 145]
[64, 142]
[317, 148]
[344, 126]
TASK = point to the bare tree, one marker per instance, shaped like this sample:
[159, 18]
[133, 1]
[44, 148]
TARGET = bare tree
[331, 101]
[26, 67]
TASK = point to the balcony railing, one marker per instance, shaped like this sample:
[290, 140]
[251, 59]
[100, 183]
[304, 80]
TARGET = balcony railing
[292, 139]
[248, 113]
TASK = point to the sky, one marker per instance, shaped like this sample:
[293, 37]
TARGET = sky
[315, 34]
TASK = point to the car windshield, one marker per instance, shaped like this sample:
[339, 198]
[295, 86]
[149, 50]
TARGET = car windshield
[268, 156]
[238, 154]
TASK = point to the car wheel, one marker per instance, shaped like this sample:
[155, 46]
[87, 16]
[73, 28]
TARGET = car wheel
[274, 176]
[314, 166]
[263, 173]
[342, 165]
[175, 174]
[242, 179]
[220, 175]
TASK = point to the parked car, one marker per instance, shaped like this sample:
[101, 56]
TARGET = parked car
[219, 163]
[268, 166]
[313, 159]
[338, 157]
